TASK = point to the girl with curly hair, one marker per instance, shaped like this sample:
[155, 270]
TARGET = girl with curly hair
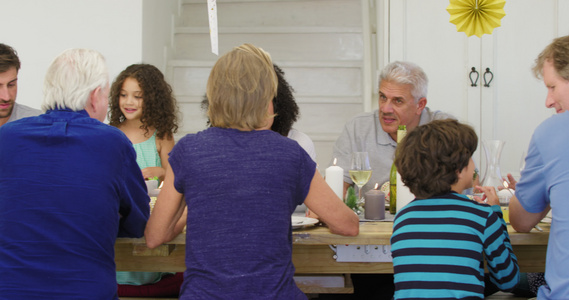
[142, 105]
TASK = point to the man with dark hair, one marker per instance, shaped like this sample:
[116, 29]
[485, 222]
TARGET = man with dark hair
[441, 238]
[9, 67]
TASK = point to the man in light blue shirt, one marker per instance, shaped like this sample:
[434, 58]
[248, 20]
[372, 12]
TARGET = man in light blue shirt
[544, 182]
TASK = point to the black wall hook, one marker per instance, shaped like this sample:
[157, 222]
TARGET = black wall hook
[473, 82]
[487, 83]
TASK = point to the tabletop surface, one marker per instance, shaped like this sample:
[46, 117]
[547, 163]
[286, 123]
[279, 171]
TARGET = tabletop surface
[371, 233]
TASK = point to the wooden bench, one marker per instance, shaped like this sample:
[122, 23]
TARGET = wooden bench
[310, 285]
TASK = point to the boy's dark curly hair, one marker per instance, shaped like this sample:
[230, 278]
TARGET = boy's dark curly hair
[429, 156]
[159, 107]
[284, 105]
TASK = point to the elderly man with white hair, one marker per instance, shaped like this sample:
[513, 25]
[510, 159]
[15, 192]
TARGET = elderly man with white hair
[70, 185]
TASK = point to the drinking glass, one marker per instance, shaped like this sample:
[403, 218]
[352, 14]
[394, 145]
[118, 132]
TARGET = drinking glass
[360, 171]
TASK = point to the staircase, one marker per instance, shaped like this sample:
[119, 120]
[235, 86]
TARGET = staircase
[323, 46]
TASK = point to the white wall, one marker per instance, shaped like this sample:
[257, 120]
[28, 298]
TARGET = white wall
[158, 17]
[41, 29]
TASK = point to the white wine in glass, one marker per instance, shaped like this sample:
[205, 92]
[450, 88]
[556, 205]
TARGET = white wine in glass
[360, 178]
[360, 170]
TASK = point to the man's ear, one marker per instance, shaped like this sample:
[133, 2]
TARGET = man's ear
[95, 96]
[92, 106]
[421, 105]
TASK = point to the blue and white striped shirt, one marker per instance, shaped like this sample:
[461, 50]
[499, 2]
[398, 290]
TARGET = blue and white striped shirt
[439, 246]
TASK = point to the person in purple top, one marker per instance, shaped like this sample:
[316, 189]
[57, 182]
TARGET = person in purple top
[241, 183]
[70, 185]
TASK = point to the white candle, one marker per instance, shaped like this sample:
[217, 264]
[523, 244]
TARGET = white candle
[335, 179]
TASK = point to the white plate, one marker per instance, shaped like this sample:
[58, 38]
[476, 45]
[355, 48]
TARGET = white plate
[299, 222]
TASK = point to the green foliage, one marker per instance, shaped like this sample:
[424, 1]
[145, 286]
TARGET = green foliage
[351, 198]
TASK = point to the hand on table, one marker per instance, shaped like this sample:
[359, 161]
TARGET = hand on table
[490, 197]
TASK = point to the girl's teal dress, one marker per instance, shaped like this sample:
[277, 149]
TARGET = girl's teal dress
[146, 156]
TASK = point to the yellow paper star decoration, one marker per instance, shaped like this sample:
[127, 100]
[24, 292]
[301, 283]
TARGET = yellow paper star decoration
[476, 17]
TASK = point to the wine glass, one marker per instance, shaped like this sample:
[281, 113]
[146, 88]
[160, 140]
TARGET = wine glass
[360, 171]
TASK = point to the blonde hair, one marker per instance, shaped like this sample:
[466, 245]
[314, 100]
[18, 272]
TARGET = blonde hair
[558, 53]
[240, 87]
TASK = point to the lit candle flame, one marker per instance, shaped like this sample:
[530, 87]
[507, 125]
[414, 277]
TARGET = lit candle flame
[335, 160]
[376, 186]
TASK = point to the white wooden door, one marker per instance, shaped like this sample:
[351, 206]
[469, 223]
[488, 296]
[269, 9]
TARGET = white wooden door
[513, 105]
[420, 32]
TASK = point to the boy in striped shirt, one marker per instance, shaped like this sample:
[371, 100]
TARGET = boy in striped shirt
[441, 239]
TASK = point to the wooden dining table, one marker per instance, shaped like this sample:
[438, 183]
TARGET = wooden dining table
[314, 254]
